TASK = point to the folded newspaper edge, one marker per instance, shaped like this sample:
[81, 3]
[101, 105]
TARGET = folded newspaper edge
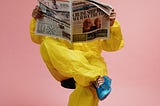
[104, 7]
[73, 30]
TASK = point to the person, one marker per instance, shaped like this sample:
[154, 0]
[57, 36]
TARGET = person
[97, 23]
[54, 5]
[87, 24]
[81, 61]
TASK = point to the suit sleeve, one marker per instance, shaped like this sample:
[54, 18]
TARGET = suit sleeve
[35, 38]
[115, 42]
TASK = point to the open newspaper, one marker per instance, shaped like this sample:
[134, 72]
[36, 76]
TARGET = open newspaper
[74, 20]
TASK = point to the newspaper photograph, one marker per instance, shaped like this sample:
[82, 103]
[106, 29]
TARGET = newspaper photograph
[74, 20]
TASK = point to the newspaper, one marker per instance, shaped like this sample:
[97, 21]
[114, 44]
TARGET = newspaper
[74, 20]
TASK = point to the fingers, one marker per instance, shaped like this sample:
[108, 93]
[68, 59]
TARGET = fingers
[37, 13]
[99, 81]
[112, 17]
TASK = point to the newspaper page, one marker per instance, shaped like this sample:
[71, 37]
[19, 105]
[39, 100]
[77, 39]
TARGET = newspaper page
[56, 21]
[74, 20]
[89, 21]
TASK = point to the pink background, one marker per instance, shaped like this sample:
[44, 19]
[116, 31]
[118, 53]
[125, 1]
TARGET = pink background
[135, 70]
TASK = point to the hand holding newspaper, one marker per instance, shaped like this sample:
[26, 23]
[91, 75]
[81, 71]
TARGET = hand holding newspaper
[74, 20]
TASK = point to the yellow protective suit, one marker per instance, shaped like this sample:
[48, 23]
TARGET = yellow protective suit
[82, 61]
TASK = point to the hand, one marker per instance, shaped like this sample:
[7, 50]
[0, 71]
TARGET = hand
[99, 81]
[112, 17]
[37, 13]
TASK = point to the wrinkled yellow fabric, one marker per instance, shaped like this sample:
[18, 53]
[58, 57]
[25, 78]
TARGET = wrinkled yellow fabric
[83, 96]
[82, 61]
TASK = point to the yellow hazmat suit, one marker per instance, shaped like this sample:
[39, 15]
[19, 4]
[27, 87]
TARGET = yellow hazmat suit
[81, 61]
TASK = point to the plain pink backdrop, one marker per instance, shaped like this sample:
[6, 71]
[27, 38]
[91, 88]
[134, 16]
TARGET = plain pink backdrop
[135, 69]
